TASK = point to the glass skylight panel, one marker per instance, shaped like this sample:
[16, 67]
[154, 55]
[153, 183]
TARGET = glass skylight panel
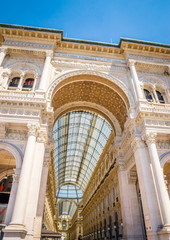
[79, 140]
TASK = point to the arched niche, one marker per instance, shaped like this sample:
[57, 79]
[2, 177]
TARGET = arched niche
[15, 151]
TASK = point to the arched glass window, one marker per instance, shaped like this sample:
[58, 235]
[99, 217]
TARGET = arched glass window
[14, 82]
[64, 224]
[160, 97]
[28, 83]
[148, 96]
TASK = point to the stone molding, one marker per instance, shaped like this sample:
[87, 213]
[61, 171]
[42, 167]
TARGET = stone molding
[148, 59]
[27, 44]
[165, 157]
[153, 79]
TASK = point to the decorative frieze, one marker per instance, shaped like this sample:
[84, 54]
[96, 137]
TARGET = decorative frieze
[16, 134]
[65, 64]
[163, 144]
[152, 59]
[29, 97]
[18, 112]
[27, 44]
[2, 130]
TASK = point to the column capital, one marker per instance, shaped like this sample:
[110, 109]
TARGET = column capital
[37, 76]
[149, 137]
[49, 53]
[137, 142]
[121, 166]
[6, 74]
[32, 129]
[3, 50]
[131, 62]
[16, 178]
[42, 136]
[22, 73]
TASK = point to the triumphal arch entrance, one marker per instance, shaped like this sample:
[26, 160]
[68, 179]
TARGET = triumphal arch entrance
[84, 137]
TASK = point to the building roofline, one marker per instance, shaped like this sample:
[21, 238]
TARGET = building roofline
[72, 40]
[36, 29]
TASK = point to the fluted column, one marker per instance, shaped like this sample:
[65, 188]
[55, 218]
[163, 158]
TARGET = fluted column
[34, 185]
[135, 79]
[3, 52]
[12, 196]
[16, 227]
[159, 179]
[44, 76]
[150, 205]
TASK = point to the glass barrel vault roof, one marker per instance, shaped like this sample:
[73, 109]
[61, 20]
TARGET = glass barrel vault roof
[80, 138]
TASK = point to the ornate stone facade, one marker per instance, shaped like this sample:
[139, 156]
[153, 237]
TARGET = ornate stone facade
[42, 77]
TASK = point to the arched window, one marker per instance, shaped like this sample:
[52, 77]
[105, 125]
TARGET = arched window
[148, 96]
[28, 84]
[64, 225]
[160, 97]
[14, 82]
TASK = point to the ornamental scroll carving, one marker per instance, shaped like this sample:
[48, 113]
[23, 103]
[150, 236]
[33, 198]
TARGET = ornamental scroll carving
[32, 129]
[149, 137]
[163, 144]
[42, 136]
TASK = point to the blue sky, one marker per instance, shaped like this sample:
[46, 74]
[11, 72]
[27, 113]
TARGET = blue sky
[97, 20]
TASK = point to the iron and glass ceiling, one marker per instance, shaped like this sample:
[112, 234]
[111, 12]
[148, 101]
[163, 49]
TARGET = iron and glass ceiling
[80, 138]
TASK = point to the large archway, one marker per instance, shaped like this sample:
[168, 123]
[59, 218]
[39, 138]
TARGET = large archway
[75, 100]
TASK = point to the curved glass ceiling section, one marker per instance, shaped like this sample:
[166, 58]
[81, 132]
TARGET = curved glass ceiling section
[69, 191]
[80, 138]
[66, 208]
